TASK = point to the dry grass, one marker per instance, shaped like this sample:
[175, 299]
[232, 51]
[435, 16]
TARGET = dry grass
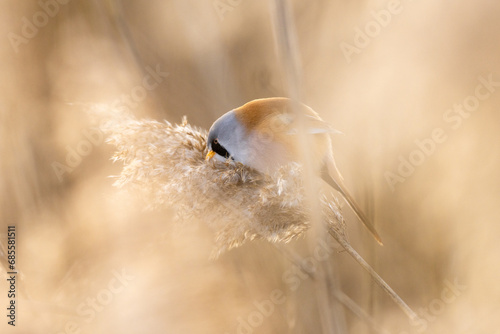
[166, 164]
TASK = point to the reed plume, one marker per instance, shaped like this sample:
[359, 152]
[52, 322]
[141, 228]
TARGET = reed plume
[166, 162]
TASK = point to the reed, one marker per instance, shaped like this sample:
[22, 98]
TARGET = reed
[165, 163]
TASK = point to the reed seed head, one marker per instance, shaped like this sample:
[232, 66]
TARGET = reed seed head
[166, 162]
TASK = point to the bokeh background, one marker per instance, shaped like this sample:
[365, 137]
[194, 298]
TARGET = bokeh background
[76, 233]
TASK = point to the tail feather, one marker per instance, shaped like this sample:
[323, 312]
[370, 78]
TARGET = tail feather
[331, 175]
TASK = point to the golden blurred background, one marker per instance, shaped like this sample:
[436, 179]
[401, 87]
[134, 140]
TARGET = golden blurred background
[413, 85]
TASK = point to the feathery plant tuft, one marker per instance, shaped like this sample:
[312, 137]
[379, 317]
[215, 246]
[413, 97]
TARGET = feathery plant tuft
[166, 162]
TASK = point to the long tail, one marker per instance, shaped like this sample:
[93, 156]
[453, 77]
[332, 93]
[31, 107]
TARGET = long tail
[332, 176]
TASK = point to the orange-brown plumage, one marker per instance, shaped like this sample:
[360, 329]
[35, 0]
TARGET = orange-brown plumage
[253, 113]
[274, 118]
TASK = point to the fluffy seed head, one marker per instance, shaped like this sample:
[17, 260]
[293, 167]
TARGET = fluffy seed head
[166, 163]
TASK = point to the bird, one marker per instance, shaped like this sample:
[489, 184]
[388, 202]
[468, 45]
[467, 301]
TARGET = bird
[263, 134]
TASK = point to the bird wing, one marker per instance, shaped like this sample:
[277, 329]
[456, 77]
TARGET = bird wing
[313, 123]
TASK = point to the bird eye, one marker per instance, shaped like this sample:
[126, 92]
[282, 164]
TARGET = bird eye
[219, 149]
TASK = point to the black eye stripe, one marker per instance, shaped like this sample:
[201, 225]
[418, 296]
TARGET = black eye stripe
[219, 149]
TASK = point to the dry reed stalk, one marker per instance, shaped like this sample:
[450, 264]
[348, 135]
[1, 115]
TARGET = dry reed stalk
[376, 277]
[166, 163]
[286, 44]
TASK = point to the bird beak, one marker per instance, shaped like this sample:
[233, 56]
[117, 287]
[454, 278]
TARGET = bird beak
[210, 155]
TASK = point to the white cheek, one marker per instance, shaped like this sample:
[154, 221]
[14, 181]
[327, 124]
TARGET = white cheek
[245, 155]
[219, 158]
[222, 159]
